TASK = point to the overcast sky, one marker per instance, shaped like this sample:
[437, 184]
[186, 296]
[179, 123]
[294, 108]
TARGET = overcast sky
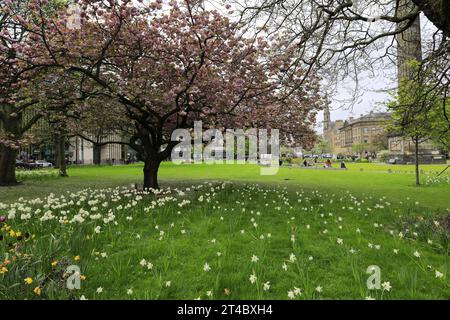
[373, 96]
[376, 90]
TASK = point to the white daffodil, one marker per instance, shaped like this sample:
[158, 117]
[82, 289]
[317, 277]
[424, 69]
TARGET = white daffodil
[439, 274]
[292, 258]
[386, 286]
[143, 262]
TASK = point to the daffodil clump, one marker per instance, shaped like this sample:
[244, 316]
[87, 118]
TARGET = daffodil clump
[435, 179]
[37, 174]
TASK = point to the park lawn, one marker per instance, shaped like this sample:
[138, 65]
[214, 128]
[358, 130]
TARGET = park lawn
[311, 234]
[374, 180]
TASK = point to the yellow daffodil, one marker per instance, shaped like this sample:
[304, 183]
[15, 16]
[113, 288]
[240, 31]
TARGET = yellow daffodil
[12, 233]
[3, 270]
[28, 280]
[54, 263]
[77, 258]
[82, 277]
[37, 291]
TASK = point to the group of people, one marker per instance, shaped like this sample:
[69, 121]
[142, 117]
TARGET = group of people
[327, 164]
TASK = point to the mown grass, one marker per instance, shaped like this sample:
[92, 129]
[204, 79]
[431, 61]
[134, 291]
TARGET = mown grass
[374, 180]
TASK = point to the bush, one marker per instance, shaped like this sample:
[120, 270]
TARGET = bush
[383, 155]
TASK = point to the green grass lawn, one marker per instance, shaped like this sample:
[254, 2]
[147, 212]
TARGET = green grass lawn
[301, 234]
[374, 180]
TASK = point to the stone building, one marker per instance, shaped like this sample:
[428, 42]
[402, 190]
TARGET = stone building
[342, 135]
[82, 151]
[409, 42]
[78, 150]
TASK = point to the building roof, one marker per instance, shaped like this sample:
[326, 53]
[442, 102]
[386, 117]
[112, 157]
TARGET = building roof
[372, 116]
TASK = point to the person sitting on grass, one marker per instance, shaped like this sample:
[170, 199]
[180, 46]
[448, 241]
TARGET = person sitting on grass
[343, 166]
[328, 164]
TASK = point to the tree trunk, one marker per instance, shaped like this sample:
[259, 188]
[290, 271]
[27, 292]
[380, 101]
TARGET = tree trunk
[7, 166]
[438, 12]
[56, 148]
[416, 154]
[151, 168]
[97, 154]
[62, 156]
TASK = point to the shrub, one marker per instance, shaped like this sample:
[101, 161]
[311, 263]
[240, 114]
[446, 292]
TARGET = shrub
[383, 155]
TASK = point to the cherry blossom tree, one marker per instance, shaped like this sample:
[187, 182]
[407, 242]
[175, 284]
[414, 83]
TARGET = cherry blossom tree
[20, 73]
[173, 63]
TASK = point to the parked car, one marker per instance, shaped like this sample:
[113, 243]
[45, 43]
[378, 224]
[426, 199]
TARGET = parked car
[43, 164]
[26, 165]
[20, 164]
